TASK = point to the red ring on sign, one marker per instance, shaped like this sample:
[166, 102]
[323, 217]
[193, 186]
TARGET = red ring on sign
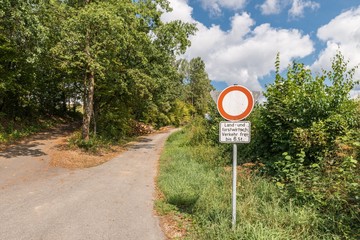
[248, 109]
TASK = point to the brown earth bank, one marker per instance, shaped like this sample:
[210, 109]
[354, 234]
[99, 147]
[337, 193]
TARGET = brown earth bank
[54, 143]
[64, 156]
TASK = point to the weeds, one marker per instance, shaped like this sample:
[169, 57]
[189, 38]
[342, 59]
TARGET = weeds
[195, 187]
[93, 145]
[12, 130]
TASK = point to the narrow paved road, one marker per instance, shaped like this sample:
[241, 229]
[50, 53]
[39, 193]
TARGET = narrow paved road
[110, 201]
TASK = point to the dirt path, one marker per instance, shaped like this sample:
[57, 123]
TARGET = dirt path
[111, 201]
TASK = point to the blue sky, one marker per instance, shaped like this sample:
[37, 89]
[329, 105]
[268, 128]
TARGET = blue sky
[238, 39]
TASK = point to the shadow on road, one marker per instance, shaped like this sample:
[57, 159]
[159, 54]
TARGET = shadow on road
[23, 150]
[142, 146]
[142, 143]
[31, 146]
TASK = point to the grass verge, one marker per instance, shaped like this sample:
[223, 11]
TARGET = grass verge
[196, 195]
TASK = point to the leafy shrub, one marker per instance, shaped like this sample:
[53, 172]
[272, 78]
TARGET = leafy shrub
[181, 113]
[94, 144]
[306, 133]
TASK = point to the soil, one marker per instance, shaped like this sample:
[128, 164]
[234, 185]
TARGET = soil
[53, 143]
[71, 158]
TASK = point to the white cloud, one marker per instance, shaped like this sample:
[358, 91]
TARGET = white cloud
[215, 6]
[181, 11]
[251, 58]
[298, 7]
[270, 7]
[246, 52]
[355, 94]
[341, 34]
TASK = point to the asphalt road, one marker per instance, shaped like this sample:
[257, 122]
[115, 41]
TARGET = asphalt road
[110, 201]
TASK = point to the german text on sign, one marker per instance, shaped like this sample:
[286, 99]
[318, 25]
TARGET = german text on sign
[235, 132]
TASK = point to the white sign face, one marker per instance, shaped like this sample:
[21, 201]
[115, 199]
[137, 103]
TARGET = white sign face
[235, 103]
[235, 132]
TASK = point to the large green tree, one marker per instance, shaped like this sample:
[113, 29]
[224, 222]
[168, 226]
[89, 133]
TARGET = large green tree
[124, 55]
[117, 58]
[20, 31]
[197, 84]
[30, 81]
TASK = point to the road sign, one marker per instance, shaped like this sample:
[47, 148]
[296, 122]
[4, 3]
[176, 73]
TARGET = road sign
[235, 132]
[235, 103]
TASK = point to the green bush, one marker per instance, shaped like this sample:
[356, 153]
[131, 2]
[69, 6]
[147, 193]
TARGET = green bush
[307, 133]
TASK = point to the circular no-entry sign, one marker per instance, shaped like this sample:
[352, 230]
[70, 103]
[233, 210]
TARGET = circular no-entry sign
[235, 103]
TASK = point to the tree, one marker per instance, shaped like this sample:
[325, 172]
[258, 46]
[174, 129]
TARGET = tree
[128, 50]
[200, 86]
[116, 55]
[197, 84]
[19, 33]
[91, 40]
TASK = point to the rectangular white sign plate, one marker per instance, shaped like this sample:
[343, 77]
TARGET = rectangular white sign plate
[235, 132]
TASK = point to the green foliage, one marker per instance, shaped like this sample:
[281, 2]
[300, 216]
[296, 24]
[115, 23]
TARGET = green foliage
[306, 133]
[181, 113]
[49, 51]
[199, 190]
[197, 84]
[302, 112]
[93, 145]
[12, 130]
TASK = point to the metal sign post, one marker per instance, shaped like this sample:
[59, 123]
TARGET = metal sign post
[234, 104]
[234, 181]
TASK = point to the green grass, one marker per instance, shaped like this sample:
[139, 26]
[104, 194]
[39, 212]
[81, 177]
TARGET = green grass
[15, 131]
[197, 188]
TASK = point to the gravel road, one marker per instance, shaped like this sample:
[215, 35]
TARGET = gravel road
[110, 201]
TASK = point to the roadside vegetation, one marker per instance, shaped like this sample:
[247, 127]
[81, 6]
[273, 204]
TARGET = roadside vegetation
[298, 178]
[13, 130]
[196, 182]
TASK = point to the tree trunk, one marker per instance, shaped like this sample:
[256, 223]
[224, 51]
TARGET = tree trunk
[89, 84]
[94, 121]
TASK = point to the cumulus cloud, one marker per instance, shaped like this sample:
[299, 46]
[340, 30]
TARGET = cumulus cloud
[341, 34]
[271, 7]
[181, 11]
[246, 52]
[298, 7]
[252, 57]
[215, 6]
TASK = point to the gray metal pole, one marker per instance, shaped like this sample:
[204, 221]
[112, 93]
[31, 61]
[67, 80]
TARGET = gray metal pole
[234, 186]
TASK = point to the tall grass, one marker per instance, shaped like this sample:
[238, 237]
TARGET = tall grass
[195, 186]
